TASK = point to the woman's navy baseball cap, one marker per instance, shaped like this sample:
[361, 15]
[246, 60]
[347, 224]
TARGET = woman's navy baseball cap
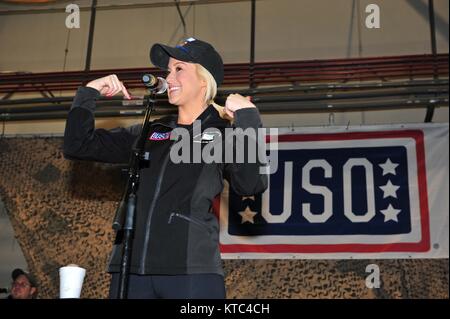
[191, 50]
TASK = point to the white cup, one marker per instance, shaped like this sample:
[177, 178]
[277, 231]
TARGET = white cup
[70, 281]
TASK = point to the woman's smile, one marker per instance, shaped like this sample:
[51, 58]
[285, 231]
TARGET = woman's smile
[186, 88]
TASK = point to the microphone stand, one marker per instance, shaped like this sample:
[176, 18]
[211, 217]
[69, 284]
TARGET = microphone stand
[124, 219]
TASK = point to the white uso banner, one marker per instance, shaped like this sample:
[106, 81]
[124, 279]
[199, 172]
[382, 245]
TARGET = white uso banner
[346, 192]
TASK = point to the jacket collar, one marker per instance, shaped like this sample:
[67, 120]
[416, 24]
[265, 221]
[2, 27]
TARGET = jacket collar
[209, 117]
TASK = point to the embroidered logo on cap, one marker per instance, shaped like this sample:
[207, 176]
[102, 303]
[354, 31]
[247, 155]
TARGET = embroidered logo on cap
[186, 41]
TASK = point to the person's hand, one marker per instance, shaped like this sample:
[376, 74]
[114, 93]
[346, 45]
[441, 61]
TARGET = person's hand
[109, 86]
[236, 102]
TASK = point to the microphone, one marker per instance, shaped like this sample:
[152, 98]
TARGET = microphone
[157, 85]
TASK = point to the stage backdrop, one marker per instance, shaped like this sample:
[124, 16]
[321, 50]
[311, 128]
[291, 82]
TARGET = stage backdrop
[364, 192]
[62, 213]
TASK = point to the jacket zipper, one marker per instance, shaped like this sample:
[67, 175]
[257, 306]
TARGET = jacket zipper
[153, 205]
[188, 219]
[152, 208]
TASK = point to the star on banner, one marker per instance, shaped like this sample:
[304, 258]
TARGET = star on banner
[247, 215]
[389, 189]
[390, 213]
[388, 167]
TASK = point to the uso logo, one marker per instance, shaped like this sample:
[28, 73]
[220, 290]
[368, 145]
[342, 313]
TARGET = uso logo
[335, 193]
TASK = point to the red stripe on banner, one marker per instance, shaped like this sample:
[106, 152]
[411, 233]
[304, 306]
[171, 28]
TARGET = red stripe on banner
[322, 249]
[416, 134]
[422, 246]
[423, 191]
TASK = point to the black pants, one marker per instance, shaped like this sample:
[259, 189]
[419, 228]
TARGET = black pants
[196, 286]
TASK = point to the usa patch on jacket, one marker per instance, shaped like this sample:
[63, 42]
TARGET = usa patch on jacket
[159, 136]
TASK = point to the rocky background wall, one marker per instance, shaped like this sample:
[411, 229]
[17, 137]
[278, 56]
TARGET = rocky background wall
[62, 212]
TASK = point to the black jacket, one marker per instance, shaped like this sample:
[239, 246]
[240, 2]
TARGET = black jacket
[176, 231]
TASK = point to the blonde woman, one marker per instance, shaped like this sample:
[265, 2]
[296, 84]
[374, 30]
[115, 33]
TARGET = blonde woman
[176, 244]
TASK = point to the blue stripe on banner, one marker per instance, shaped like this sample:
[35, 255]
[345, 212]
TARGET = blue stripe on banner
[388, 213]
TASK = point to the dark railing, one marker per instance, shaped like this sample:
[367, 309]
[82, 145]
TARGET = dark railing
[294, 86]
[264, 73]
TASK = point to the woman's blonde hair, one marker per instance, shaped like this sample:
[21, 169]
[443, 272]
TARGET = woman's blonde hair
[211, 91]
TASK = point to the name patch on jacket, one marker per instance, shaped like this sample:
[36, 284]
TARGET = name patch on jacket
[206, 137]
[159, 136]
